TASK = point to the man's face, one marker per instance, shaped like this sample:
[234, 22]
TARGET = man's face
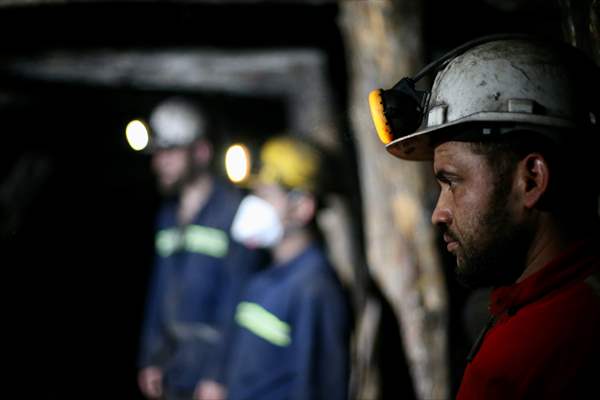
[172, 167]
[475, 213]
[274, 195]
[290, 206]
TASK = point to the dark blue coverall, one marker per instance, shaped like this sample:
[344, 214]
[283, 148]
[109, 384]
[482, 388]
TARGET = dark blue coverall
[197, 276]
[292, 334]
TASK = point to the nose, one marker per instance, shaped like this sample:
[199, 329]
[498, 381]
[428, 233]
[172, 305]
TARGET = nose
[441, 214]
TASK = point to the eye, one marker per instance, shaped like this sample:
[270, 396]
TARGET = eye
[446, 180]
[443, 180]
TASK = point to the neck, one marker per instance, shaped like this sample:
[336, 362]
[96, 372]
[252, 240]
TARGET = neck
[291, 245]
[549, 241]
[193, 197]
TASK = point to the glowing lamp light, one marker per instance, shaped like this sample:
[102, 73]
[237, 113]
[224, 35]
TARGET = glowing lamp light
[237, 163]
[137, 135]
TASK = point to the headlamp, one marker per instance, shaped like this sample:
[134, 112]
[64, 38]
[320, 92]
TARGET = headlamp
[238, 163]
[397, 112]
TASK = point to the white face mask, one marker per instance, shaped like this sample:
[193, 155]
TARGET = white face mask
[256, 223]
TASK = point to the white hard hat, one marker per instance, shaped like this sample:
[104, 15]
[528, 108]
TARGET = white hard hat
[176, 122]
[501, 86]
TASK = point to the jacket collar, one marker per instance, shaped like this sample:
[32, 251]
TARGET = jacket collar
[575, 263]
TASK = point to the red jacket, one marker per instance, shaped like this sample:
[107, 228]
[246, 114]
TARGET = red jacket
[545, 338]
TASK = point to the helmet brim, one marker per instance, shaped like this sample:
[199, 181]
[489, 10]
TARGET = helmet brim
[419, 146]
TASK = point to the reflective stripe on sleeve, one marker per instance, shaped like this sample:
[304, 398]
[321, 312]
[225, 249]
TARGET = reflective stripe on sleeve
[195, 239]
[263, 324]
[210, 241]
[167, 241]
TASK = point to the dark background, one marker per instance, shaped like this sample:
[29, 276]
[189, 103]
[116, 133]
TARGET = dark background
[78, 205]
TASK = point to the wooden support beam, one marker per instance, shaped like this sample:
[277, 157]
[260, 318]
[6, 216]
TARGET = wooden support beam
[384, 44]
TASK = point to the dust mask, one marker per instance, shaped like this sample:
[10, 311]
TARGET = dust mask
[256, 223]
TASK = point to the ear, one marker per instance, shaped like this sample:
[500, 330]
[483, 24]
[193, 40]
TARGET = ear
[201, 152]
[534, 177]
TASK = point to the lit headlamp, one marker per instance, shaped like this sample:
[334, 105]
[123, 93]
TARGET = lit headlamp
[238, 163]
[398, 111]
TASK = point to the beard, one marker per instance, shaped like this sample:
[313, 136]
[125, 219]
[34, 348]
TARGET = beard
[494, 252]
[170, 188]
[173, 186]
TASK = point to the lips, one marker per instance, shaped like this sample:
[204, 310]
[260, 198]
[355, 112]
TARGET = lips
[451, 243]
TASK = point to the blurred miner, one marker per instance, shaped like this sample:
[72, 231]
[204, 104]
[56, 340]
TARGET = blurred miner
[512, 126]
[198, 268]
[291, 329]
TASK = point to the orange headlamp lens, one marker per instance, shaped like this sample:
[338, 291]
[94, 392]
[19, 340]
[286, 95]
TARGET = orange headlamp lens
[382, 126]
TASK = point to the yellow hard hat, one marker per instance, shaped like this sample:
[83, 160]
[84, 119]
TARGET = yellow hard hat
[291, 162]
